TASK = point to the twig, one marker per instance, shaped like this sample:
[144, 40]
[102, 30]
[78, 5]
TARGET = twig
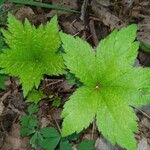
[93, 130]
[5, 96]
[83, 10]
[93, 32]
[58, 127]
[141, 111]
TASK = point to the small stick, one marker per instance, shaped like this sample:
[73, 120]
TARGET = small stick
[58, 127]
[93, 32]
[83, 10]
[93, 130]
[141, 111]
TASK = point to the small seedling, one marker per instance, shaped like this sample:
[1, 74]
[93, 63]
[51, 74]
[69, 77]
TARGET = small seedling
[29, 122]
[110, 85]
[47, 138]
[35, 96]
[32, 52]
[56, 102]
[87, 145]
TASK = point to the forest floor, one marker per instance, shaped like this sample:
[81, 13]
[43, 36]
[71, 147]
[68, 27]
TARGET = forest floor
[95, 20]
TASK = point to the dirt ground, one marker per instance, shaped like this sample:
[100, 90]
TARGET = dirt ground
[95, 20]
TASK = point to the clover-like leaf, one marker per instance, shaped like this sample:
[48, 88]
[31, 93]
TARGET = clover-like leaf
[28, 125]
[111, 84]
[51, 138]
[32, 52]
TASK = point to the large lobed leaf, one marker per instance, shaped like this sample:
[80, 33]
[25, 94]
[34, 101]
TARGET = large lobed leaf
[110, 85]
[32, 52]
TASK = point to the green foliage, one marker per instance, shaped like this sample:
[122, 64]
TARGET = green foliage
[2, 1]
[2, 43]
[56, 102]
[2, 81]
[32, 109]
[110, 85]
[29, 122]
[87, 144]
[35, 96]
[47, 138]
[29, 125]
[65, 146]
[71, 79]
[32, 52]
[51, 138]
[36, 139]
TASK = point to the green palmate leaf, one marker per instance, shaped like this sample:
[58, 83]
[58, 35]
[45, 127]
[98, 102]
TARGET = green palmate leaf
[32, 52]
[86, 107]
[28, 125]
[110, 85]
[36, 139]
[51, 138]
[32, 109]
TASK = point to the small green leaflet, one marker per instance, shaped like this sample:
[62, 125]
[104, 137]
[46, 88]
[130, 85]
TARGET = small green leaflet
[29, 122]
[35, 96]
[32, 109]
[48, 139]
[110, 85]
[65, 145]
[56, 102]
[51, 138]
[86, 145]
[2, 1]
[28, 125]
[32, 52]
[36, 139]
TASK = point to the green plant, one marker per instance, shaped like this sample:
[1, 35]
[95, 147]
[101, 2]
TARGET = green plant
[29, 122]
[2, 1]
[110, 85]
[35, 96]
[86, 144]
[32, 52]
[47, 138]
[56, 102]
